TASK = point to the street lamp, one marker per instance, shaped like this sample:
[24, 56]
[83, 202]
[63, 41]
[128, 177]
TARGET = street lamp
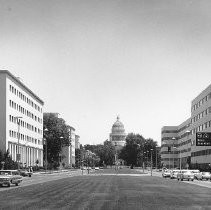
[115, 156]
[46, 150]
[151, 160]
[156, 158]
[173, 138]
[18, 156]
[60, 158]
[187, 133]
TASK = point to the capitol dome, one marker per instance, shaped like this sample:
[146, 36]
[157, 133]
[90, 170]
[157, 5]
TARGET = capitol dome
[118, 127]
[117, 135]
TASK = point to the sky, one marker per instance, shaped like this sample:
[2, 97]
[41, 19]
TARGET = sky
[91, 60]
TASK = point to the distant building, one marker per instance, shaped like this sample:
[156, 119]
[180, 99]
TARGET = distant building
[68, 152]
[118, 135]
[21, 121]
[77, 142]
[178, 143]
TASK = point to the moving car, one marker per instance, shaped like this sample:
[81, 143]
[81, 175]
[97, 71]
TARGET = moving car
[8, 177]
[173, 174]
[185, 174]
[203, 175]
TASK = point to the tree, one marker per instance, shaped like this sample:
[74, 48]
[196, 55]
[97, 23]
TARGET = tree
[138, 150]
[6, 161]
[104, 153]
[57, 128]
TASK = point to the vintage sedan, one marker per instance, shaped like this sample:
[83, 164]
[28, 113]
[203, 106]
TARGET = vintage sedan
[203, 175]
[185, 175]
[8, 177]
[166, 173]
[173, 174]
[25, 173]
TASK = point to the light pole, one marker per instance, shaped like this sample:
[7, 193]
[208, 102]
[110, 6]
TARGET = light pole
[173, 155]
[18, 156]
[144, 153]
[173, 150]
[151, 160]
[187, 133]
[115, 156]
[46, 150]
[60, 156]
[156, 158]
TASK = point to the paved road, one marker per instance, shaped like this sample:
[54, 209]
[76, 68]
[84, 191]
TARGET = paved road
[123, 190]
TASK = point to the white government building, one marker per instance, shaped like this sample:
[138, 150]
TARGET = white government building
[21, 112]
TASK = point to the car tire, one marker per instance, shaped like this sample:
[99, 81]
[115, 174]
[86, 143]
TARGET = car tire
[192, 180]
[181, 179]
[8, 185]
[16, 184]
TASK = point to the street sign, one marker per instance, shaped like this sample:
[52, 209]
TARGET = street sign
[203, 139]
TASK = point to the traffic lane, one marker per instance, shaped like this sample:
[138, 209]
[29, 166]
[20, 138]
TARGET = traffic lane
[41, 178]
[108, 192]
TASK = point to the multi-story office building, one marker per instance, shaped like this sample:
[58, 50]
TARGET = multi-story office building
[178, 143]
[68, 152]
[77, 142]
[21, 121]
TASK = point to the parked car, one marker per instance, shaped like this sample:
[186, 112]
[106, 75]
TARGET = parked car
[97, 168]
[185, 175]
[166, 173]
[25, 173]
[8, 177]
[203, 175]
[195, 172]
[173, 174]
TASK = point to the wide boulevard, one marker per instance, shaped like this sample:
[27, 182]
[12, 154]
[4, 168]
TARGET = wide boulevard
[105, 189]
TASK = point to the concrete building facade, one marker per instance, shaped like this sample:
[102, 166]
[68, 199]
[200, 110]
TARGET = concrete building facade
[178, 143]
[77, 142]
[21, 121]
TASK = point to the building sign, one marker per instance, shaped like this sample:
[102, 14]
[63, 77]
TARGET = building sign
[203, 139]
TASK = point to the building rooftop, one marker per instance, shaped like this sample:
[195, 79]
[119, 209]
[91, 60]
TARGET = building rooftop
[21, 83]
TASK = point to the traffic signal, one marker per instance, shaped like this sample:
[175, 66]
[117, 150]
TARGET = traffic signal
[169, 149]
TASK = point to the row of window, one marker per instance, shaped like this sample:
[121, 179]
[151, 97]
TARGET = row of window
[201, 127]
[202, 101]
[194, 131]
[23, 137]
[169, 131]
[201, 153]
[24, 111]
[24, 98]
[183, 128]
[25, 125]
[176, 138]
[176, 151]
[200, 115]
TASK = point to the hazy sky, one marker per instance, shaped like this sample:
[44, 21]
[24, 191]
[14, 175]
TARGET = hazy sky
[90, 60]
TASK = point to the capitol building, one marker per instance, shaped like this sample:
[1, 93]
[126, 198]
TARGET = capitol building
[118, 135]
